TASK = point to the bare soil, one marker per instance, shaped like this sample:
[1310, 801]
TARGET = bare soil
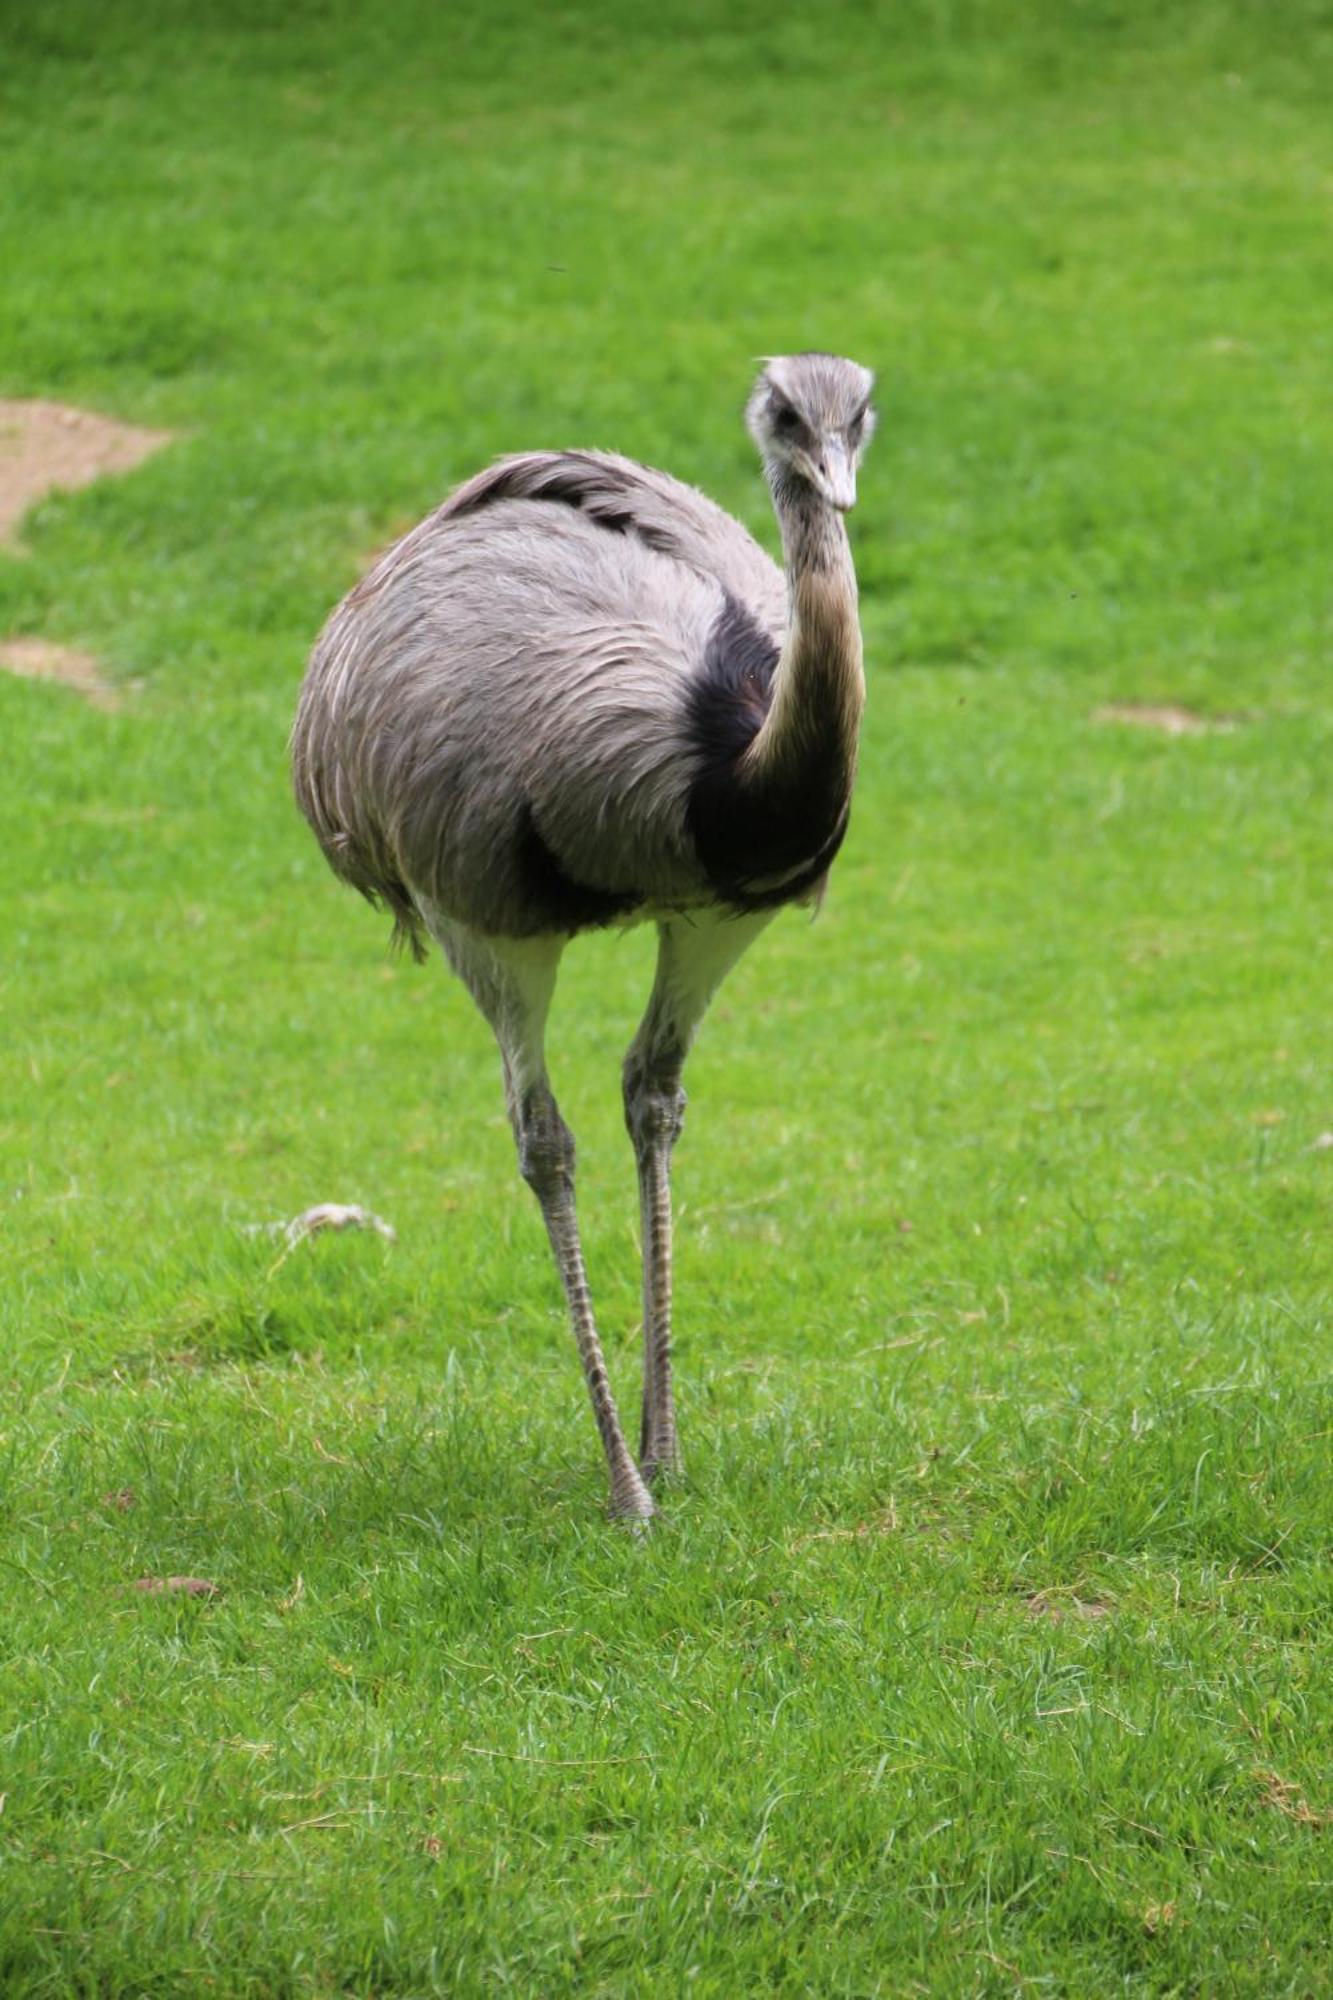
[1169, 718]
[41, 660]
[49, 447]
[45, 447]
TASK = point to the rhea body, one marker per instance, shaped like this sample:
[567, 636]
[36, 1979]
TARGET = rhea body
[579, 694]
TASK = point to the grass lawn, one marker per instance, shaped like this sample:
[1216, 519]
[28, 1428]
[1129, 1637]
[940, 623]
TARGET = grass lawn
[985, 1646]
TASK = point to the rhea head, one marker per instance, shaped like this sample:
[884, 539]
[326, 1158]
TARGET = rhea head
[811, 417]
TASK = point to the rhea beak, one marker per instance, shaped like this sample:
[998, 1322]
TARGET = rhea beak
[837, 474]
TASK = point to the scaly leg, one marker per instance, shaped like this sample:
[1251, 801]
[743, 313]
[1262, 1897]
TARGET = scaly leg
[694, 955]
[512, 982]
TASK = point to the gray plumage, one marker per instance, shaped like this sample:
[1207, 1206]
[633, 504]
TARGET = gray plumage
[578, 639]
[580, 693]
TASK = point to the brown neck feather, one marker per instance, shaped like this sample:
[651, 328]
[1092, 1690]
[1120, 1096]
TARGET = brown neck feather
[819, 682]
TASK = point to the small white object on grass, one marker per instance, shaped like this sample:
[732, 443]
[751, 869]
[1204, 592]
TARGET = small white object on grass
[325, 1215]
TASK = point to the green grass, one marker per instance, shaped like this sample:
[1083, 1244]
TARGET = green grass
[985, 1646]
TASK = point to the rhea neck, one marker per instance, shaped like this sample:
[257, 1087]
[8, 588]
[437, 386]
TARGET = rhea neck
[819, 682]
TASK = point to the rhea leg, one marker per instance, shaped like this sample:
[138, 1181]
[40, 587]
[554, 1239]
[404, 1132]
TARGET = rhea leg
[694, 955]
[512, 982]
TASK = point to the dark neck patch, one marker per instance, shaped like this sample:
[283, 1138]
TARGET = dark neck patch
[762, 842]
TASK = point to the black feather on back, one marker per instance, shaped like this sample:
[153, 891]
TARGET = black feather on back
[792, 825]
[573, 479]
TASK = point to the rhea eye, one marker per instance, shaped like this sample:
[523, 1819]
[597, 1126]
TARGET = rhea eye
[785, 419]
[854, 427]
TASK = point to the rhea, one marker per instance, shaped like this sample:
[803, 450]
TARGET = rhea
[580, 694]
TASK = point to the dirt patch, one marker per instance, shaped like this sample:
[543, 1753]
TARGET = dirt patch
[1167, 718]
[45, 447]
[1058, 1606]
[39, 660]
[190, 1586]
[1288, 1799]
